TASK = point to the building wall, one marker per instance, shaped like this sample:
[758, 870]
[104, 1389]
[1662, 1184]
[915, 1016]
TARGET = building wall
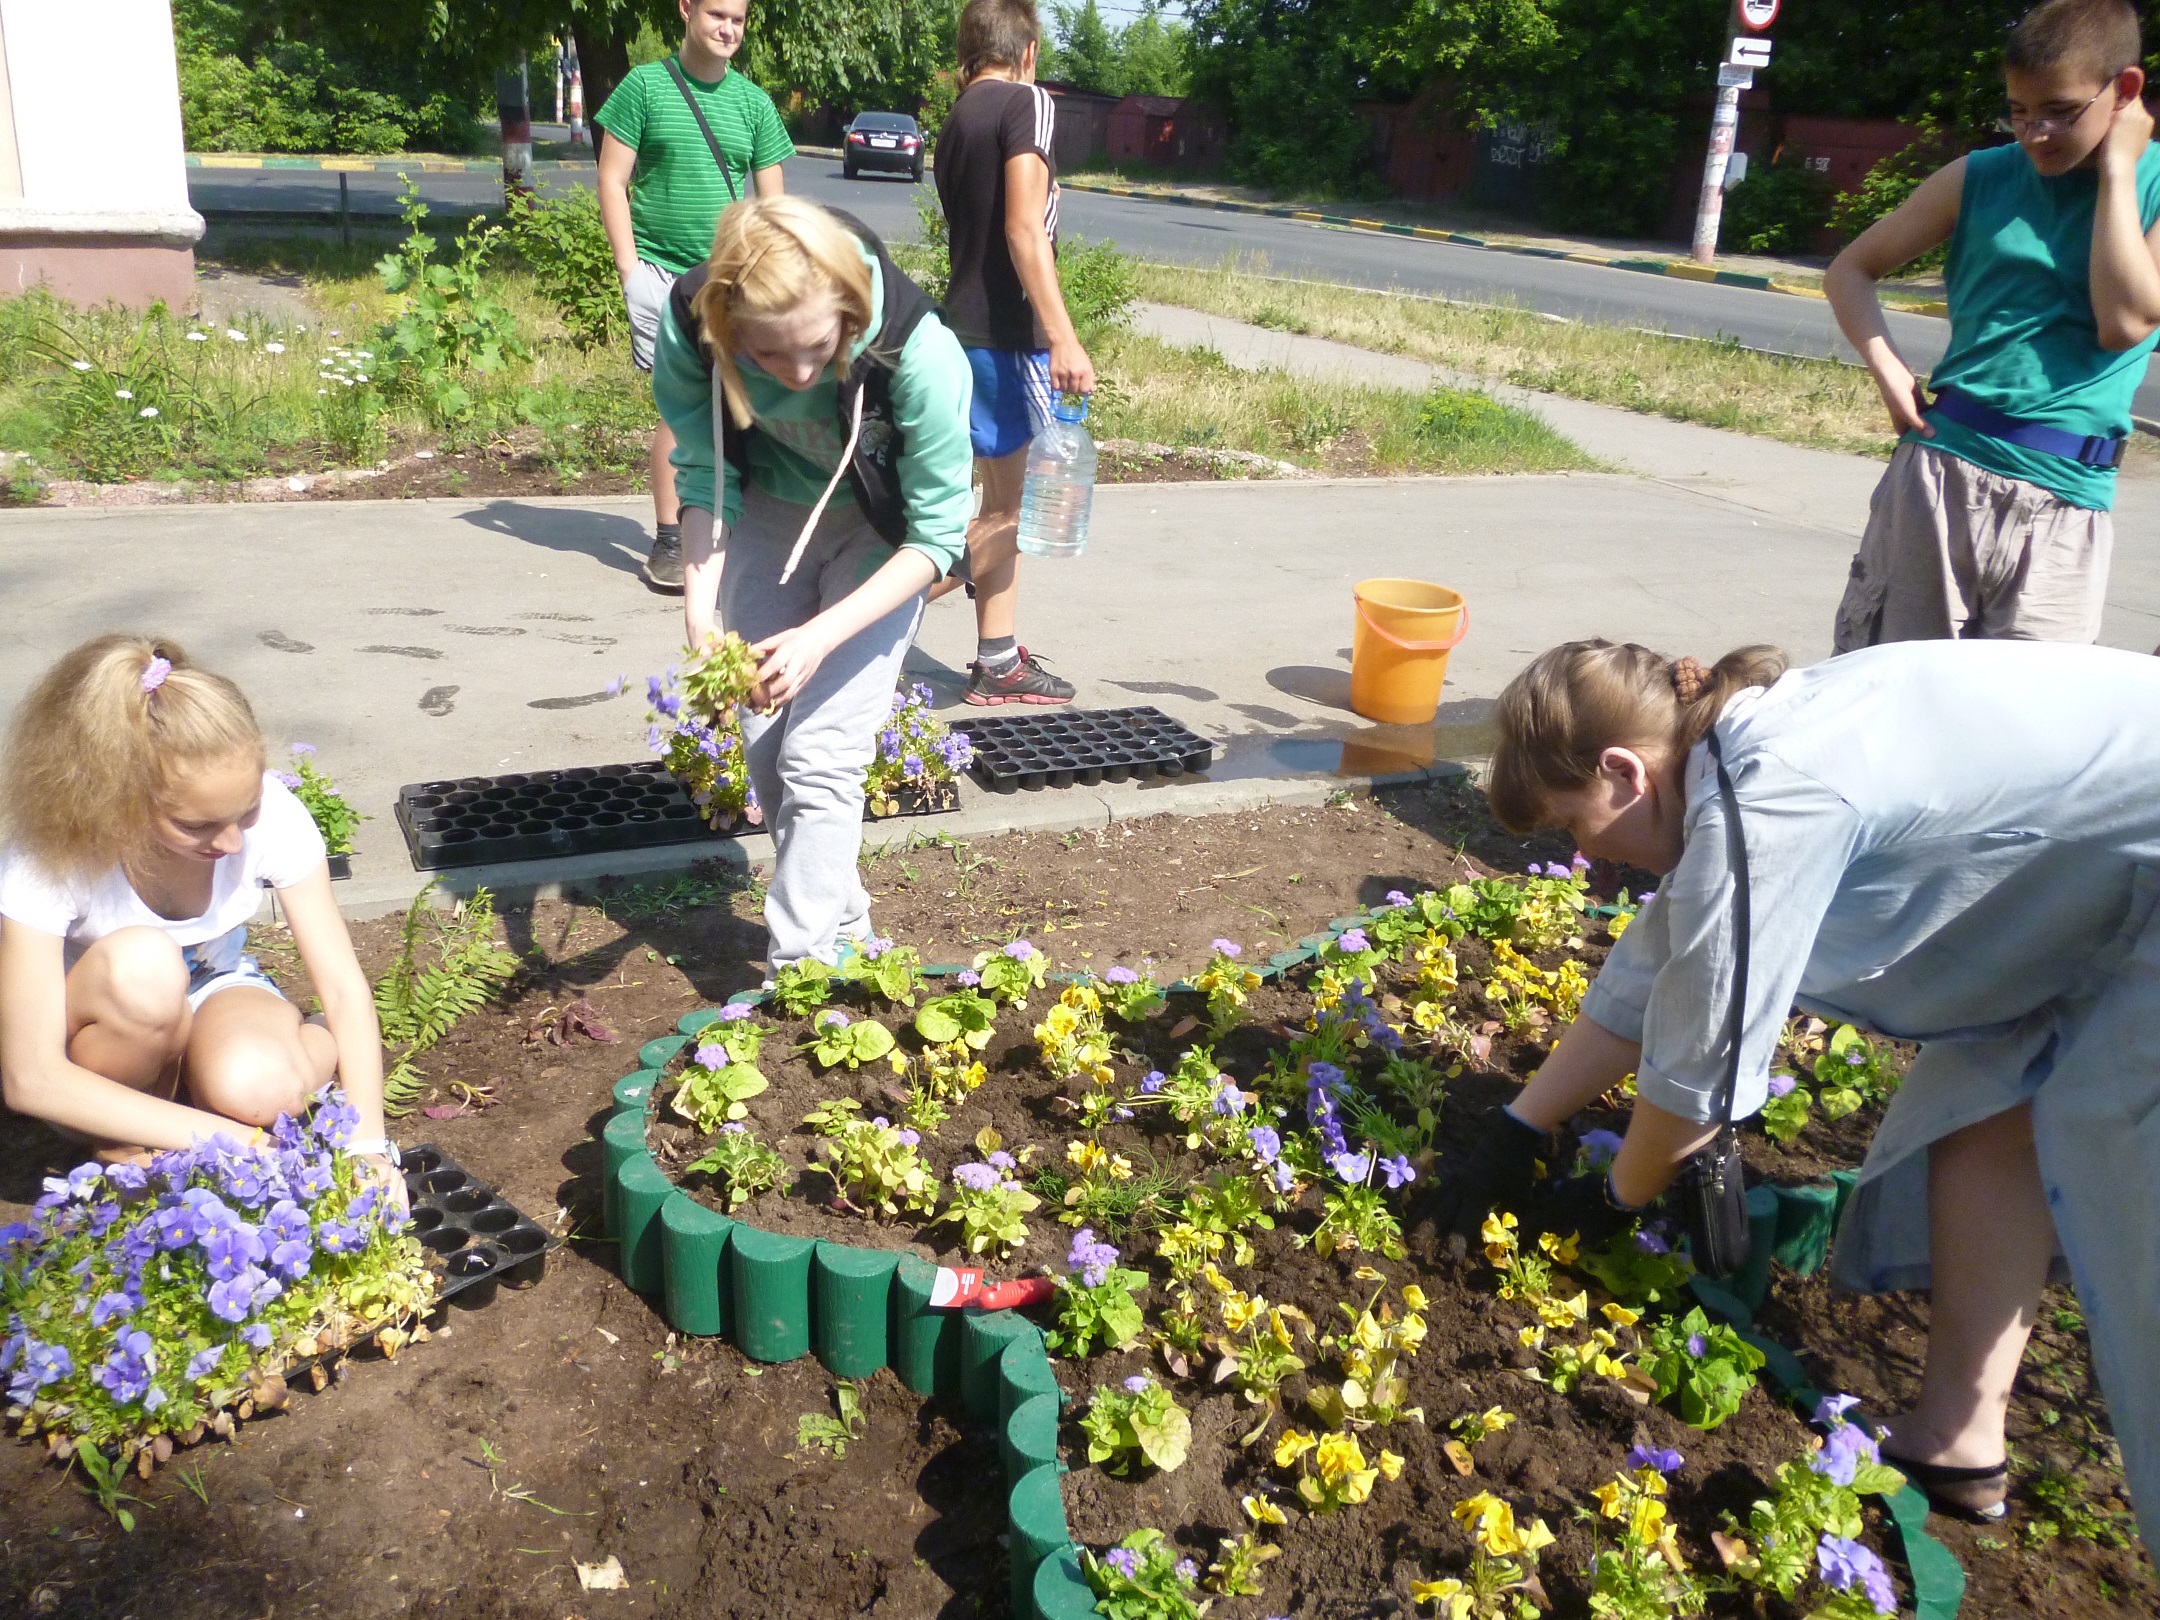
[93, 173]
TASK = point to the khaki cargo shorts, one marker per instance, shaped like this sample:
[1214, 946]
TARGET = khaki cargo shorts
[1953, 551]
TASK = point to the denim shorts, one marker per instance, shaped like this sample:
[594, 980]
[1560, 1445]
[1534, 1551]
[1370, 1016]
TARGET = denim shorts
[1013, 400]
[220, 964]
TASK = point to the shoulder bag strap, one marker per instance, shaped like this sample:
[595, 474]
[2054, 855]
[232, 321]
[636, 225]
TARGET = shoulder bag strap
[1743, 925]
[675, 72]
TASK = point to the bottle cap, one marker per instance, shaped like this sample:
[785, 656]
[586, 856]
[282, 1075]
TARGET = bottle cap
[1069, 412]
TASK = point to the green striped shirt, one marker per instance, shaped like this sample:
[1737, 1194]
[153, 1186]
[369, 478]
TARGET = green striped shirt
[676, 190]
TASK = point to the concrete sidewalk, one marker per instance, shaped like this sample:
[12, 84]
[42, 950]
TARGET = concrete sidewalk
[417, 640]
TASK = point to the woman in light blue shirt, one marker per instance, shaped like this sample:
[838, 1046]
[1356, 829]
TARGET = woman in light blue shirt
[1953, 843]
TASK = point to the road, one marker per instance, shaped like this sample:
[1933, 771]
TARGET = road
[1176, 235]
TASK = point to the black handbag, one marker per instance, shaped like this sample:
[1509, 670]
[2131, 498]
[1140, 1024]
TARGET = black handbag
[676, 73]
[1712, 1196]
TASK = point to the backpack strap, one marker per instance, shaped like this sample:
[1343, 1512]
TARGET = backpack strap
[689, 96]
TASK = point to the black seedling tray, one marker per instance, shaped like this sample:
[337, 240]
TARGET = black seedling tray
[483, 1241]
[590, 810]
[1069, 748]
[541, 815]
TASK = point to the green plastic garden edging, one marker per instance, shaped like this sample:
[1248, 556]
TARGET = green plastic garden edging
[778, 1298]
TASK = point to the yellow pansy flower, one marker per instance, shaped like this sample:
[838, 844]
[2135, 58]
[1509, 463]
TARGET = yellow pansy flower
[1261, 1511]
[1454, 1603]
[1499, 1227]
[1338, 1456]
[1391, 1466]
[1563, 1250]
[1413, 1296]
[1612, 1499]
[1293, 1445]
[1620, 1316]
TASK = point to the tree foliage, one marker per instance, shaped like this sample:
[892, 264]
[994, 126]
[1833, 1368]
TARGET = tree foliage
[1147, 57]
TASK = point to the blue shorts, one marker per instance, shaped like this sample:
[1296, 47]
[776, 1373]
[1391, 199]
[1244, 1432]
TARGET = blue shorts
[1013, 401]
[220, 964]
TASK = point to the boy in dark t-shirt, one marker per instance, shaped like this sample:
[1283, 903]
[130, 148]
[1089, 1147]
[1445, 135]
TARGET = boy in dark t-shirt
[996, 178]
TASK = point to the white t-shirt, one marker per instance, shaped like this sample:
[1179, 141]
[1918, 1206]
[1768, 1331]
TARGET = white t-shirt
[280, 850]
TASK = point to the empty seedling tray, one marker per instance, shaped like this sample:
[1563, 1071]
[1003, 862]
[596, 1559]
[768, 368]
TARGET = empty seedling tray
[484, 1242]
[588, 810]
[1069, 748]
[477, 820]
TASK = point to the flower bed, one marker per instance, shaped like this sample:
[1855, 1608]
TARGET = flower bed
[1291, 1390]
[149, 1305]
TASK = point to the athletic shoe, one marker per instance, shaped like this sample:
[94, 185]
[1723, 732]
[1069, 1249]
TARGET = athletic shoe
[663, 568]
[1022, 681]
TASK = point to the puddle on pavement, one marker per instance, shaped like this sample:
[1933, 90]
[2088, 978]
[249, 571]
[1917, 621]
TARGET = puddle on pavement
[1367, 751]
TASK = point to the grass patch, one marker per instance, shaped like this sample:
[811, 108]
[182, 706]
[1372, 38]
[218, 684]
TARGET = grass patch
[1153, 391]
[1816, 403]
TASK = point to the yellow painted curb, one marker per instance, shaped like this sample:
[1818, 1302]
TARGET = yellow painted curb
[1303, 214]
[348, 165]
[1370, 224]
[1936, 308]
[1798, 292]
[1587, 258]
[230, 160]
[1690, 272]
[1426, 233]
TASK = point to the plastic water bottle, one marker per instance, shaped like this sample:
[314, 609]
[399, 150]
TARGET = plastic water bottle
[1060, 487]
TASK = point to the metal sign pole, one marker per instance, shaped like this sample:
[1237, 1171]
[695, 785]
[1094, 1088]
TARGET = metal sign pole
[1745, 50]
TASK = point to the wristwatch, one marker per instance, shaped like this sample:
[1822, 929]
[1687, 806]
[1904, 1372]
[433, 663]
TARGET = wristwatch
[365, 1147]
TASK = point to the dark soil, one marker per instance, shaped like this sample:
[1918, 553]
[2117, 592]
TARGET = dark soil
[376, 1496]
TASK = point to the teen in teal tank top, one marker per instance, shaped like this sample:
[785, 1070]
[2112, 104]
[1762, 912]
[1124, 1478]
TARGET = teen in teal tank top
[2022, 336]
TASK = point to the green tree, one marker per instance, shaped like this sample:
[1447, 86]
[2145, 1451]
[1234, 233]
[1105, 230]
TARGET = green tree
[1152, 54]
[1088, 57]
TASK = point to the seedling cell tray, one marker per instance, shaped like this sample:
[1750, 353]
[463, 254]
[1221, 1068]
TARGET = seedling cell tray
[484, 1242]
[544, 815]
[1069, 748]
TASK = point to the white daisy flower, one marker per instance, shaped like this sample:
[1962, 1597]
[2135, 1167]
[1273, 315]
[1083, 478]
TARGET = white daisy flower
[273, 348]
[237, 337]
[80, 365]
[198, 337]
[123, 393]
[147, 410]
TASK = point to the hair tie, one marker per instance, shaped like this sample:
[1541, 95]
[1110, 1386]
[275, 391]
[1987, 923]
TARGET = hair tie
[154, 673]
[1688, 679]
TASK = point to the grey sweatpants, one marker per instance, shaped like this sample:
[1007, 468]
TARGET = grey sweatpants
[1954, 552]
[807, 760]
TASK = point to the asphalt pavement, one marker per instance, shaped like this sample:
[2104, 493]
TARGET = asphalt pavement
[1180, 235]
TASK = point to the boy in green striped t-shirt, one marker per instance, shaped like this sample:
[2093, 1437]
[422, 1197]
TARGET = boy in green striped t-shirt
[662, 192]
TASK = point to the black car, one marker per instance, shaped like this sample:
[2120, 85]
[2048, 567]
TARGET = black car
[891, 143]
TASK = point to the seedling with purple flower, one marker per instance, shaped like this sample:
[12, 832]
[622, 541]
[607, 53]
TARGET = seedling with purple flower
[1851, 1074]
[1785, 1115]
[334, 818]
[1354, 1214]
[1227, 987]
[1134, 996]
[883, 969]
[1708, 1365]
[740, 1163]
[717, 1086]
[1098, 1299]
[873, 1164]
[988, 1203]
[1143, 1578]
[1353, 954]
[1136, 1423]
[696, 726]
[836, 1039]
[150, 1303]
[916, 755]
[1011, 975]
[1814, 1514]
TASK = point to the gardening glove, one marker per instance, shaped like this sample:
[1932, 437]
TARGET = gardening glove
[1583, 1206]
[1498, 1168]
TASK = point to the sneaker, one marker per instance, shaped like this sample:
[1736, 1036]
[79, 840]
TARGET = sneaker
[663, 568]
[1023, 681]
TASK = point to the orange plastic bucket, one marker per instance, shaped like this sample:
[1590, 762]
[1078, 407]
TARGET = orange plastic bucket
[1399, 648]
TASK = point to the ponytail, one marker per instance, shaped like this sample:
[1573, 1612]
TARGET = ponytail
[99, 742]
[1557, 718]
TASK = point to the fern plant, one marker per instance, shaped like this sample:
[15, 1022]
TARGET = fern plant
[419, 1005]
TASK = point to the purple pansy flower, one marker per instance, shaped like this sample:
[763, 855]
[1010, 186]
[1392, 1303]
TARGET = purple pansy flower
[1352, 1167]
[1846, 1564]
[1398, 1171]
[1663, 1458]
[1266, 1143]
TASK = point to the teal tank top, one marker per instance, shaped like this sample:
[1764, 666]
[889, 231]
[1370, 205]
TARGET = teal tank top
[2022, 335]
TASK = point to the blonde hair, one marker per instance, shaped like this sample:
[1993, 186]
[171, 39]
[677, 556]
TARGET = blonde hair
[772, 255]
[94, 751]
[1558, 716]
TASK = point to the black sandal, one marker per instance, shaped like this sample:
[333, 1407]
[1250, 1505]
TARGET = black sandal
[1935, 1480]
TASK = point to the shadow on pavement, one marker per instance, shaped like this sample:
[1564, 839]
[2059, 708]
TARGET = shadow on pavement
[608, 538]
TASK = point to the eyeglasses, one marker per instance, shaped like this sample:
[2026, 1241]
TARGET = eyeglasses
[2048, 124]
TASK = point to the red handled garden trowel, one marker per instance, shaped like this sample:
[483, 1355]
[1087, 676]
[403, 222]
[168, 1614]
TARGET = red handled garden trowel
[963, 1288]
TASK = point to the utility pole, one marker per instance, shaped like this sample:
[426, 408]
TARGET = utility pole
[514, 108]
[1747, 48]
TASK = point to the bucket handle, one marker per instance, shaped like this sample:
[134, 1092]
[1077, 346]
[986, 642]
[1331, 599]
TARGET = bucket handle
[1462, 628]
